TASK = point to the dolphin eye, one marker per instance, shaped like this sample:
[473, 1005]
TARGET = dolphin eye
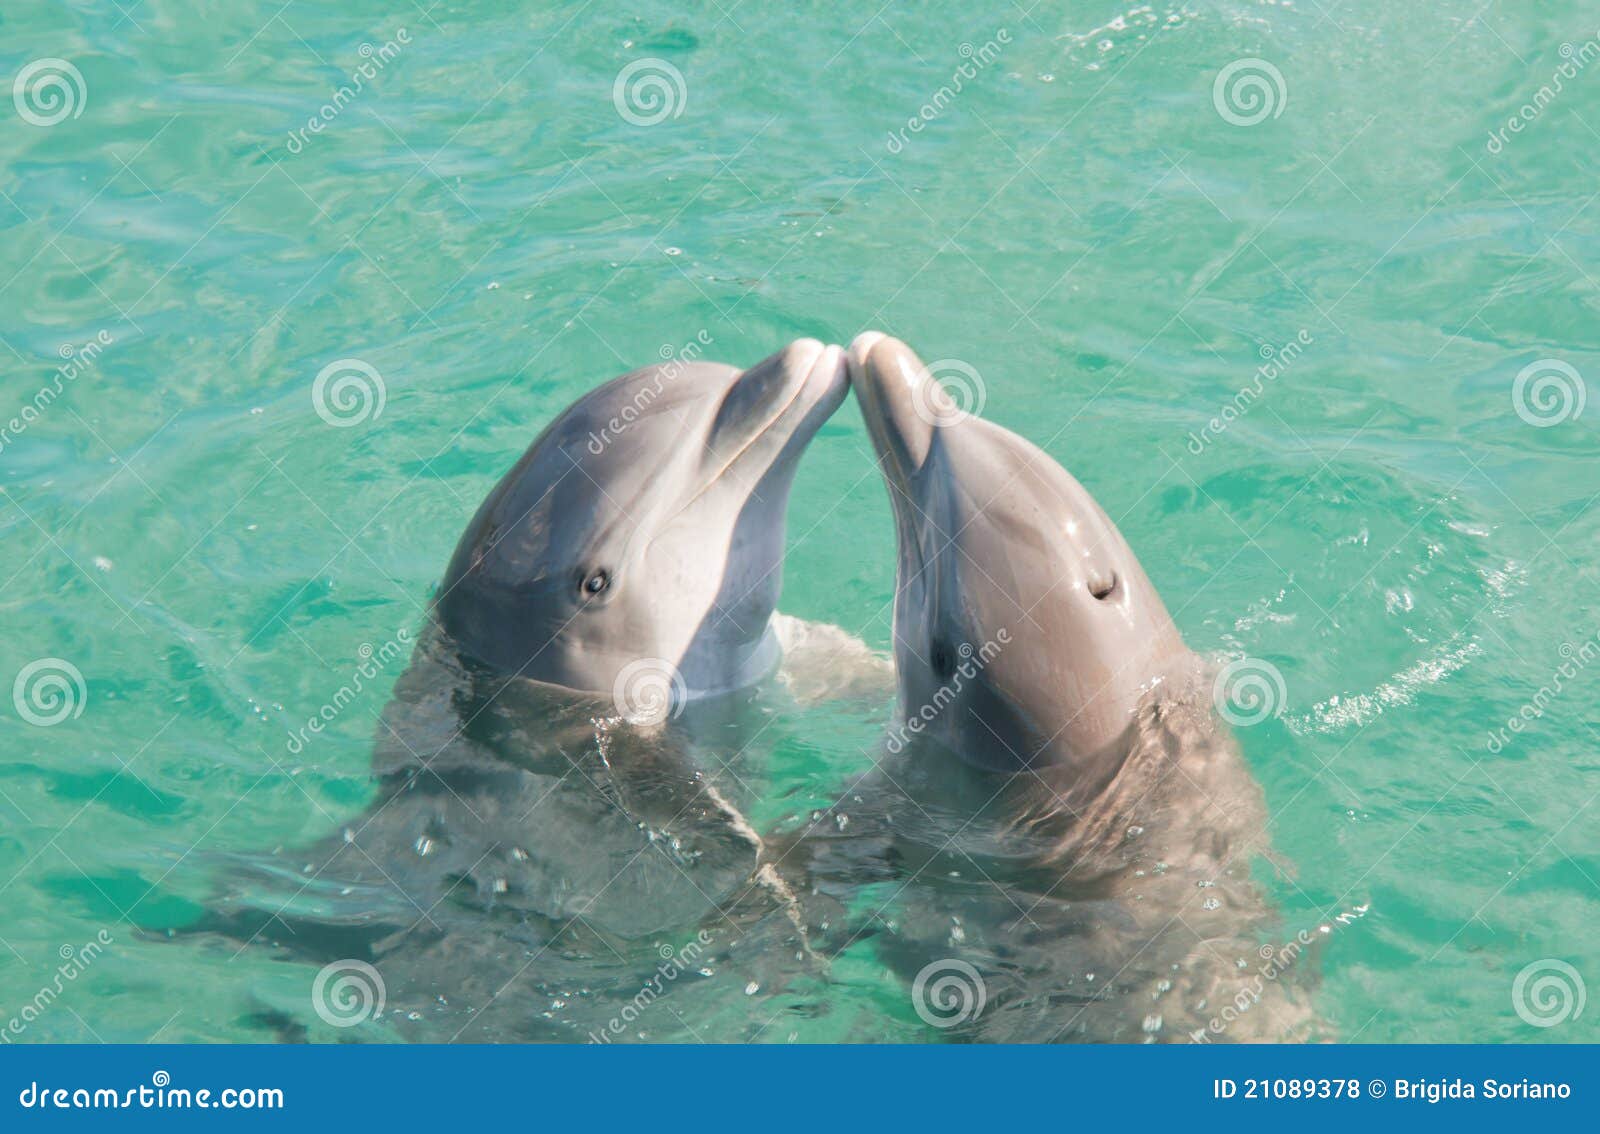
[596, 582]
[1102, 588]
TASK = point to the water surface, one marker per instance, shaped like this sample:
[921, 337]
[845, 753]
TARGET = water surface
[1109, 247]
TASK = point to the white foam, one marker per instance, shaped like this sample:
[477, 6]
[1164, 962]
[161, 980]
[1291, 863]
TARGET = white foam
[1401, 689]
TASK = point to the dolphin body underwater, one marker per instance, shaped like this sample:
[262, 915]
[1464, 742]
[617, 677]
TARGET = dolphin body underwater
[1066, 828]
[561, 768]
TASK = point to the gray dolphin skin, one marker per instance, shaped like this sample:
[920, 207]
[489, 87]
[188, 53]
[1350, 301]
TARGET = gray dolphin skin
[530, 851]
[1071, 827]
[999, 545]
[646, 522]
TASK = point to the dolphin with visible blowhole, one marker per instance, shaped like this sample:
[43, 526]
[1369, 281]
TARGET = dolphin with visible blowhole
[1067, 828]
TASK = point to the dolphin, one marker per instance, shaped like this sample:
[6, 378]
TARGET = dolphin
[562, 766]
[994, 536]
[1070, 827]
[645, 522]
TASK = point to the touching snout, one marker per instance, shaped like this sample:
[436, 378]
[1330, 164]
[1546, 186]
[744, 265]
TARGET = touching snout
[901, 402]
[800, 387]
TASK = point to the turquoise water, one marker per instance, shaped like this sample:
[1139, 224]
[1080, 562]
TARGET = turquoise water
[1080, 225]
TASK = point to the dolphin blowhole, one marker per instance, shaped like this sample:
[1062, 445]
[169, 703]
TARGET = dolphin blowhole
[992, 533]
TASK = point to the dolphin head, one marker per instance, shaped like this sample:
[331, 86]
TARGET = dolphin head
[645, 527]
[1026, 632]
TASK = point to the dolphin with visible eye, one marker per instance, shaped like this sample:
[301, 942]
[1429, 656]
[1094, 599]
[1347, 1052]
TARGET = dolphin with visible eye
[1067, 828]
[562, 767]
[645, 522]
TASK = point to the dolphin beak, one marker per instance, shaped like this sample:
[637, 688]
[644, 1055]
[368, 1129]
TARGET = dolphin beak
[824, 380]
[901, 402]
[772, 411]
[829, 375]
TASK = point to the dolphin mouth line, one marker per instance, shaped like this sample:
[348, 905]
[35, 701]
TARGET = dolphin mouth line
[813, 370]
[915, 542]
[875, 387]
